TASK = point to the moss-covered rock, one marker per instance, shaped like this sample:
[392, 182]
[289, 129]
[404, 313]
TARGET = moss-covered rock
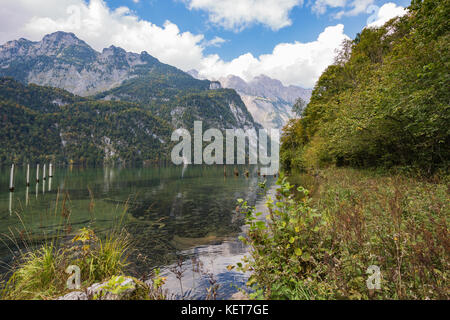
[119, 288]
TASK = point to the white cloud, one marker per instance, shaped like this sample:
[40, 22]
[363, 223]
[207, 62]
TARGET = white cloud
[321, 6]
[385, 13]
[292, 63]
[238, 14]
[357, 7]
[215, 42]
[349, 8]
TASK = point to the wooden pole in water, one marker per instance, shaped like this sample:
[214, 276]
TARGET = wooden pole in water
[44, 173]
[10, 202]
[28, 175]
[37, 173]
[11, 179]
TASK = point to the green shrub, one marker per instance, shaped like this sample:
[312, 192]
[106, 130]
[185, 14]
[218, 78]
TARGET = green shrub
[321, 248]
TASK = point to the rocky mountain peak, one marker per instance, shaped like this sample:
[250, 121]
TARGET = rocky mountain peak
[55, 42]
[267, 81]
[232, 81]
[115, 54]
[14, 48]
[60, 36]
[63, 60]
[267, 99]
[115, 50]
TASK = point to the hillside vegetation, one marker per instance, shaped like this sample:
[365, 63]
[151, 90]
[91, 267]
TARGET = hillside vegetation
[49, 124]
[383, 104]
[385, 100]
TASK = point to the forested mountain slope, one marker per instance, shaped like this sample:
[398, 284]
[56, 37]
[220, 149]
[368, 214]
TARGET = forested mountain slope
[182, 100]
[385, 101]
[44, 123]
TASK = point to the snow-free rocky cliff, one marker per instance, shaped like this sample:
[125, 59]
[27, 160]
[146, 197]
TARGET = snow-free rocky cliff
[62, 60]
[267, 99]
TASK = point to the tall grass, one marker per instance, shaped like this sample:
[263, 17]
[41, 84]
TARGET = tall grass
[320, 246]
[41, 273]
[40, 261]
[37, 277]
[397, 222]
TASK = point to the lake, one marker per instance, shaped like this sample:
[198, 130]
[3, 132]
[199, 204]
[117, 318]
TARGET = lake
[173, 215]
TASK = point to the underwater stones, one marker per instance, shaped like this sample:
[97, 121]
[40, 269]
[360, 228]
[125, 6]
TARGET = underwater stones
[117, 288]
[75, 295]
[239, 296]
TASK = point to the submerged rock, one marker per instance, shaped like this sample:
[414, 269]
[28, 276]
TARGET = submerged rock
[118, 288]
[75, 295]
[239, 296]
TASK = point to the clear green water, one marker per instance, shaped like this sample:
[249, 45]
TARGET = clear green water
[172, 212]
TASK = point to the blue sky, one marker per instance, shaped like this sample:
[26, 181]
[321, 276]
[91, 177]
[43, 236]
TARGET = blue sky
[289, 40]
[257, 38]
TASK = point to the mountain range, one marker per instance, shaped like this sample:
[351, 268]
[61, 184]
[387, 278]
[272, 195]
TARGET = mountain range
[101, 106]
[62, 60]
[267, 99]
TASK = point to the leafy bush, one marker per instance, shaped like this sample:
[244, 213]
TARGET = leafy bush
[322, 248]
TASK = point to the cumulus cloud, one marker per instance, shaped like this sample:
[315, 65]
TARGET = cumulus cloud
[292, 63]
[93, 21]
[385, 13]
[238, 14]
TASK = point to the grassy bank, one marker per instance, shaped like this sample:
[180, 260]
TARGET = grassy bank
[42, 272]
[319, 245]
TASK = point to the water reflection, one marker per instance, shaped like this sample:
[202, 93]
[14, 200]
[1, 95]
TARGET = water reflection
[206, 265]
[172, 212]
